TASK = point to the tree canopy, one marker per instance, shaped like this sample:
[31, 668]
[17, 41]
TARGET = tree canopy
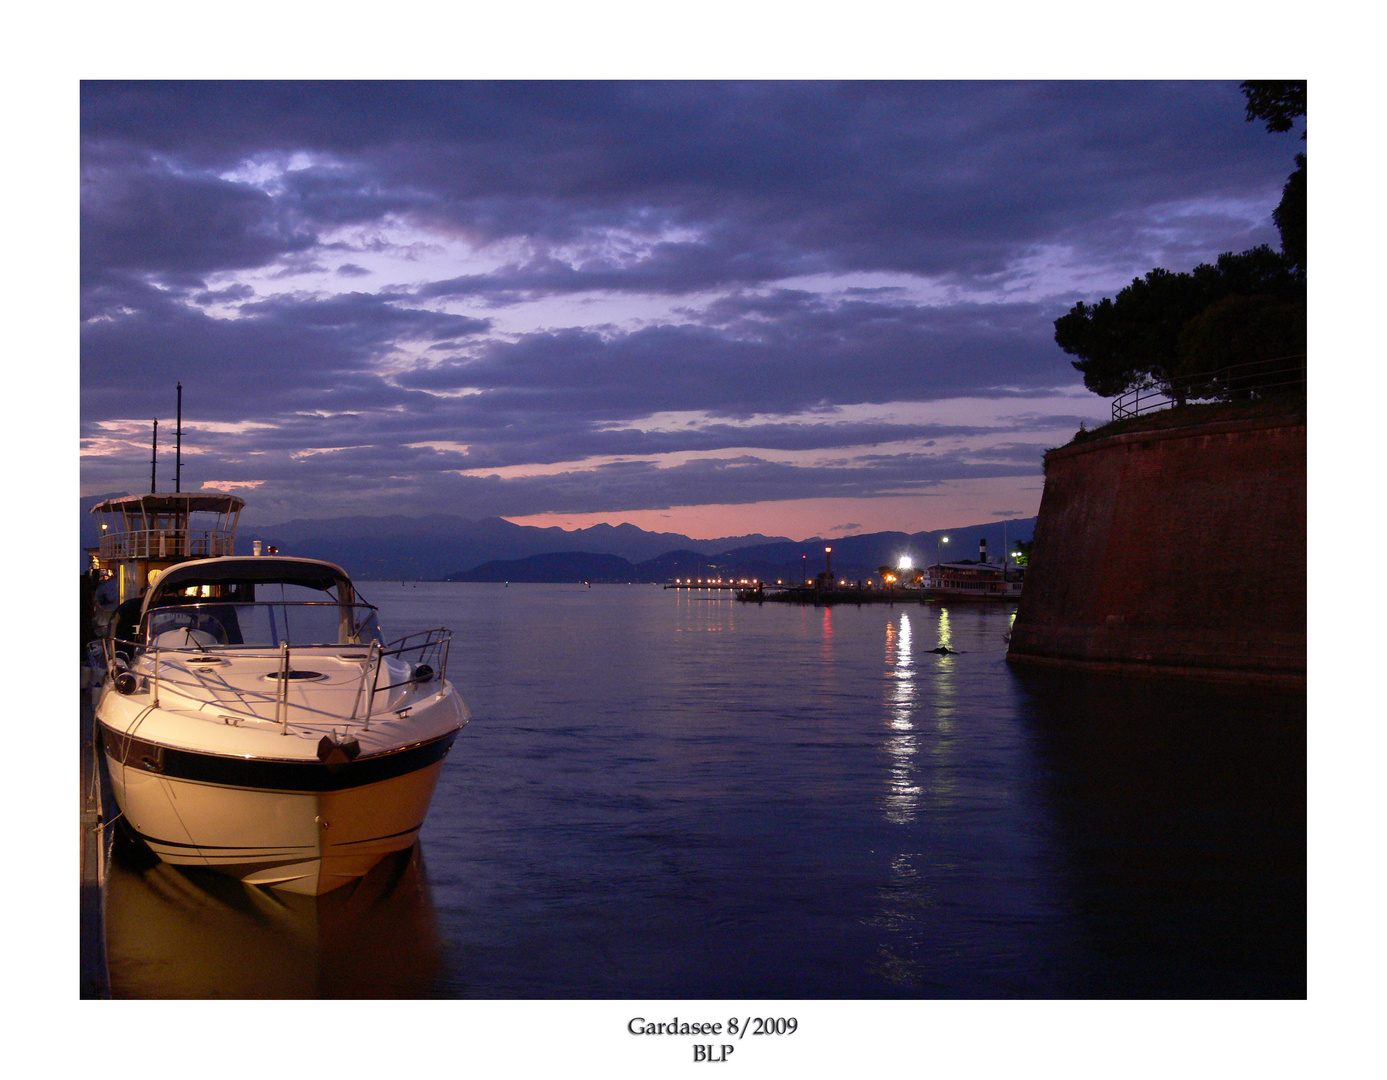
[1242, 308]
[1166, 325]
[1280, 104]
[1290, 215]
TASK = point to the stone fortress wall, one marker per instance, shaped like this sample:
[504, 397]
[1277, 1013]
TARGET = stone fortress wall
[1179, 551]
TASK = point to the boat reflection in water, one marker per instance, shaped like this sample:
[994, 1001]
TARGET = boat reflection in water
[193, 933]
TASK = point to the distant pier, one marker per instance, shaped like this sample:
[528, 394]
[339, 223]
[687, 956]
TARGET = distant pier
[847, 594]
[762, 592]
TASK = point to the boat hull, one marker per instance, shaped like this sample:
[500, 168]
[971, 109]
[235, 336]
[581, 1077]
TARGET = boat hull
[300, 827]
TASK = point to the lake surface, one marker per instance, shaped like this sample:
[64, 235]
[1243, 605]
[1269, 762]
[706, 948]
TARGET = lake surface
[676, 795]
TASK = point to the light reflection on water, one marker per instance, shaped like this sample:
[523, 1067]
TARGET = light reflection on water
[677, 795]
[946, 634]
[195, 934]
[903, 790]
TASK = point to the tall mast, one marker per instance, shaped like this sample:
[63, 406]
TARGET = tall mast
[178, 445]
[154, 459]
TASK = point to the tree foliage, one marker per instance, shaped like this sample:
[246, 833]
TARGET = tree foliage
[1241, 329]
[1150, 333]
[1277, 103]
[1290, 215]
[1167, 327]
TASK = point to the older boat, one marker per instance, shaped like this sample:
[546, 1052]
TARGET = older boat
[981, 580]
[254, 722]
[974, 581]
[143, 535]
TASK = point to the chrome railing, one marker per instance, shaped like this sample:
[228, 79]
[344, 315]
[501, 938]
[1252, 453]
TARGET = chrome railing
[423, 655]
[432, 648]
[167, 544]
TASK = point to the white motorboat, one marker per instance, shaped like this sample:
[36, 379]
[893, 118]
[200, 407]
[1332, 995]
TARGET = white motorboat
[254, 723]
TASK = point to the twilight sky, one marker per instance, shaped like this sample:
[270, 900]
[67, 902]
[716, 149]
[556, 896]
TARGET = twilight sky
[796, 308]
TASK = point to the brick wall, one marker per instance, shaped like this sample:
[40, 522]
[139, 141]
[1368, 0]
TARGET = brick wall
[1180, 550]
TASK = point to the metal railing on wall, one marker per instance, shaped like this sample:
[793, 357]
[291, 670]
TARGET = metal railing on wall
[1241, 382]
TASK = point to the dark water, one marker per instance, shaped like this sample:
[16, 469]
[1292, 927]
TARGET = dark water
[669, 795]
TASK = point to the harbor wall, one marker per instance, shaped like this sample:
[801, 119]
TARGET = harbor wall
[1178, 551]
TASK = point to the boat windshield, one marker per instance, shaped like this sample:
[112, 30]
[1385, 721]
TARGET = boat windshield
[221, 623]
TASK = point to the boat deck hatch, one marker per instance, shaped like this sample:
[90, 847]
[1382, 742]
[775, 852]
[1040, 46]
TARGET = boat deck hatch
[295, 675]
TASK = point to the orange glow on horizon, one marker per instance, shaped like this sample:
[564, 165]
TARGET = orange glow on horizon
[950, 506]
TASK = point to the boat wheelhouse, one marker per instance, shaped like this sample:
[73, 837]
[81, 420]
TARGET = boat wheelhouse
[143, 535]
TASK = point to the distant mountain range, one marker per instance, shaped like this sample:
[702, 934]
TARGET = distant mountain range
[852, 557]
[444, 547]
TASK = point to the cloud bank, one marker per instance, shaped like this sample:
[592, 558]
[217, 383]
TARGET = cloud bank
[600, 298]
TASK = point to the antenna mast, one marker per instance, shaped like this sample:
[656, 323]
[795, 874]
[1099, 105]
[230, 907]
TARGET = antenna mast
[178, 445]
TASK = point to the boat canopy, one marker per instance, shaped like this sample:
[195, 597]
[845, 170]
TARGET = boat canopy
[252, 570]
[212, 502]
